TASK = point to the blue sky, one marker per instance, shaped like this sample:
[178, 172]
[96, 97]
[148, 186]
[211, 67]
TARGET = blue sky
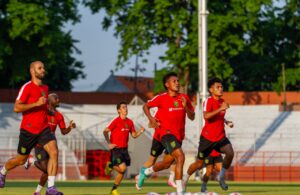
[99, 52]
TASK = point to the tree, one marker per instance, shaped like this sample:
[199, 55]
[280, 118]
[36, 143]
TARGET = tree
[33, 30]
[240, 50]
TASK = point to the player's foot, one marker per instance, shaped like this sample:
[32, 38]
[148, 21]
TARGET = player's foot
[172, 184]
[108, 168]
[141, 179]
[114, 192]
[203, 188]
[37, 193]
[222, 183]
[29, 162]
[2, 178]
[53, 191]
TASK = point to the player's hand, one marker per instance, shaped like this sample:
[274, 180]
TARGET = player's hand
[72, 125]
[153, 123]
[112, 146]
[183, 100]
[41, 101]
[229, 124]
[142, 129]
[224, 106]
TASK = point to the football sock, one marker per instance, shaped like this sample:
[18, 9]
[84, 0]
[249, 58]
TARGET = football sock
[51, 181]
[222, 172]
[172, 176]
[179, 186]
[115, 186]
[3, 170]
[39, 188]
[149, 171]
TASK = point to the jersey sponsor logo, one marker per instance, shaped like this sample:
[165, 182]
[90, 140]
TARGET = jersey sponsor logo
[175, 109]
[124, 129]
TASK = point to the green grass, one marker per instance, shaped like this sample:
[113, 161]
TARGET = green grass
[159, 186]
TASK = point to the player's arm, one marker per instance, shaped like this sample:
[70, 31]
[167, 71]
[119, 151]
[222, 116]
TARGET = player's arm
[190, 113]
[153, 122]
[135, 134]
[211, 114]
[106, 136]
[21, 107]
[67, 130]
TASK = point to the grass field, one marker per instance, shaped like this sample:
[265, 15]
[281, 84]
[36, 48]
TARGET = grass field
[127, 187]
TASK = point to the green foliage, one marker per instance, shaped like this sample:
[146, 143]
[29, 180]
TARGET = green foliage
[247, 40]
[32, 30]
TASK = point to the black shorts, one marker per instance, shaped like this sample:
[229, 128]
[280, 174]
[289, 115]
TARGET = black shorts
[170, 143]
[211, 160]
[119, 156]
[28, 140]
[157, 148]
[206, 146]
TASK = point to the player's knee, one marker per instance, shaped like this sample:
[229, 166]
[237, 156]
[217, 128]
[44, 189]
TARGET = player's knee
[53, 153]
[180, 159]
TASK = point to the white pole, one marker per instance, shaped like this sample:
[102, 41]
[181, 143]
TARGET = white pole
[202, 55]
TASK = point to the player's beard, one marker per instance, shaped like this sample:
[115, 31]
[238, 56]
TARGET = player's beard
[40, 75]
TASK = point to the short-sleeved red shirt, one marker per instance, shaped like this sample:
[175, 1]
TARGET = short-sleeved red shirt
[34, 120]
[214, 153]
[120, 129]
[213, 128]
[170, 114]
[56, 119]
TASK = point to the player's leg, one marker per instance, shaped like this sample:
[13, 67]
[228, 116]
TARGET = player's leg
[204, 149]
[120, 169]
[225, 147]
[155, 151]
[26, 142]
[172, 176]
[42, 164]
[209, 168]
[48, 141]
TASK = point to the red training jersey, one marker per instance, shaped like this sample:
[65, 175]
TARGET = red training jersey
[56, 119]
[34, 120]
[214, 153]
[171, 114]
[120, 129]
[213, 129]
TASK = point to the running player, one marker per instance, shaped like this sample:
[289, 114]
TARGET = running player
[32, 102]
[156, 150]
[55, 118]
[173, 107]
[213, 161]
[213, 132]
[119, 130]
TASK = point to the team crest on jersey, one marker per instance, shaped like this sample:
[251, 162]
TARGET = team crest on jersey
[176, 104]
[126, 125]
[23, 150]
[52, 119]
[153, 152]
[173, 144]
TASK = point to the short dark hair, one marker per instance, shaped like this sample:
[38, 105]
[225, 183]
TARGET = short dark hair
[212, 81]
[167, 76]
[120, 103]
